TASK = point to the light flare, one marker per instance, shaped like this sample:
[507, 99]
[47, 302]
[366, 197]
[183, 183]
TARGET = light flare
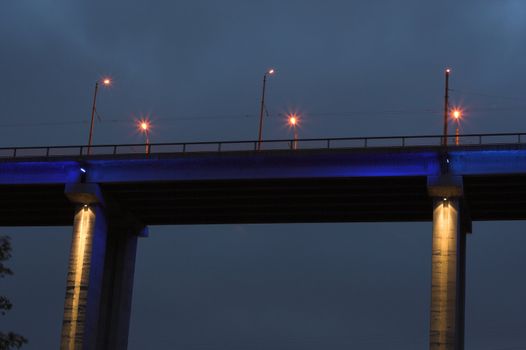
[293, 120]
[106, 81]
[144, 125]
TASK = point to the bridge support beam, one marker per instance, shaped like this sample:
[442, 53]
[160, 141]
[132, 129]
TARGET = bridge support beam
[448, 265]
[99, 286]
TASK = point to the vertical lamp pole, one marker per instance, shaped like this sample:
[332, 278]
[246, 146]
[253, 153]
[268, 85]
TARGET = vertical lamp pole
[105, 82]
[145, 128]
[147, 141]
[446, 106]
[92, 117]
[457, 114]
[293, 122]
[261, 111]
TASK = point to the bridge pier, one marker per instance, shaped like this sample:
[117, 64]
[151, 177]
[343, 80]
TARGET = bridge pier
[99, 286]
[450, 225]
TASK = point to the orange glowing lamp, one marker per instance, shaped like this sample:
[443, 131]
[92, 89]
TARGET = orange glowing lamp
[293, 120]
[144, 125]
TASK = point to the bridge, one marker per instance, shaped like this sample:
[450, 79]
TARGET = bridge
[111, 193]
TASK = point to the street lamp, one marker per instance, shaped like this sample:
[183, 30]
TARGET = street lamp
[446, 106]
[105, 82]
[457, 114]
[144, 127]
[293, 123]
[267, 73]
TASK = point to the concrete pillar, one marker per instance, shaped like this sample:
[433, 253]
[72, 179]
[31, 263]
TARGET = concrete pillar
[116, 302]
[84, 281]
[100, 277]
[448, 266]
[447, 284]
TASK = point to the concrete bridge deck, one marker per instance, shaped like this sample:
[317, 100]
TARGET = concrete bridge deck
[273, 186]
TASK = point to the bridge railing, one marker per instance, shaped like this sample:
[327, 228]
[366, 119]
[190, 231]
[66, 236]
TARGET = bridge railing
[267, 145]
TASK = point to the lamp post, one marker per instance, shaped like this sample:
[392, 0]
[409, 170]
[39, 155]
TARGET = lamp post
[105, 82]
[446, 106]
[457, 114]
[267, 73]
[293, 123]
[144, 126]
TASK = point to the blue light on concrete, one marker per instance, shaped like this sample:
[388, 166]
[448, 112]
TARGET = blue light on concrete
[267, 165]
[487, 162]
[38, 172]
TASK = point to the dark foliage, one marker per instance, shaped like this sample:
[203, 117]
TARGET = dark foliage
[11, 341]
[5, 254]
[8, 340]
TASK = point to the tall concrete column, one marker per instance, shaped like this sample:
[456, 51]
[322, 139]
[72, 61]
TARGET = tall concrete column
[84, 281]
[448, 266]
[116, 302]
[100, 277]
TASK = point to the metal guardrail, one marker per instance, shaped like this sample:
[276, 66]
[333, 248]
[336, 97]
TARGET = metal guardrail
[284, 144]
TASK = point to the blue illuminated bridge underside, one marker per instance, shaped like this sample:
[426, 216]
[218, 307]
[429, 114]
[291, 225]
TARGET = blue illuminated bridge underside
[285, 186]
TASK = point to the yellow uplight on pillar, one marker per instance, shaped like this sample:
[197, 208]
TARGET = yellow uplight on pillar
[78, 278]
[446, 231]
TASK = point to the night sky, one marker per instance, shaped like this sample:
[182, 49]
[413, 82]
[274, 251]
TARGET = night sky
[349, 68]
